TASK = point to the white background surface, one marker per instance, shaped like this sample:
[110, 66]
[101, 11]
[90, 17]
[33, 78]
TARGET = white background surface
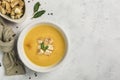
[93, 28]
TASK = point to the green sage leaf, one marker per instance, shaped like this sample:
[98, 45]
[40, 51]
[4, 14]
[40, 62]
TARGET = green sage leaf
[39, 13]
[45, 48]
[42, 45]
[36, 7]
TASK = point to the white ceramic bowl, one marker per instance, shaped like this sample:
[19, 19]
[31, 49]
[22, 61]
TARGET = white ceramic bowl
[23, 56]
[15, 20]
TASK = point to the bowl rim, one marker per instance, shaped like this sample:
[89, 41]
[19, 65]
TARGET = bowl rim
[23, 56]
[20, 20]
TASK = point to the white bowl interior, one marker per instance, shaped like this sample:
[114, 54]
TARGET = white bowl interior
[23, 56]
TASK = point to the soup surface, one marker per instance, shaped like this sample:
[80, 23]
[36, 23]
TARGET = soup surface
[38, 51]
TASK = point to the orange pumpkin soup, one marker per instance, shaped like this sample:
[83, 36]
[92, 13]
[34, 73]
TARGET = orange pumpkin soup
[44, 45]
